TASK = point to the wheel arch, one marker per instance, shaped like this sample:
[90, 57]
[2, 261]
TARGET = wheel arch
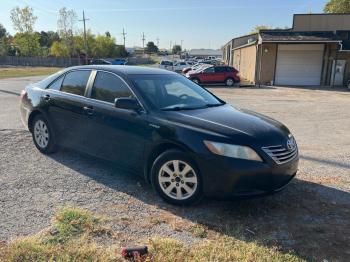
[156, 151]
[31, 117]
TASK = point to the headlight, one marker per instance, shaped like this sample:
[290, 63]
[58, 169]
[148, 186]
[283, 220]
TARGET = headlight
[235, 151]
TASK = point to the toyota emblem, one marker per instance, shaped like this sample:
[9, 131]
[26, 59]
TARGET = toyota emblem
[290, 144]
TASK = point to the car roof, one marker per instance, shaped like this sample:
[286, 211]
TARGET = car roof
[126, 70]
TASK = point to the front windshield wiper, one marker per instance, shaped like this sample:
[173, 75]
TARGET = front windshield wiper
[179, 108]
[214, 105]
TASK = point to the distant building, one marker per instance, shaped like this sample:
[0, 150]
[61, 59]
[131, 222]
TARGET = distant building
[130, 50]
[204, 53]
[315, 51]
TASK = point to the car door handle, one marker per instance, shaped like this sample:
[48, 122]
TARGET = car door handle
[89, 110]
[47, 98]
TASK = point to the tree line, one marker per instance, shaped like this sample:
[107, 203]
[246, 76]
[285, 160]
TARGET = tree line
[67, 41]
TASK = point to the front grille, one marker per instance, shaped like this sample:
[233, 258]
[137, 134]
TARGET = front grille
[281, 154]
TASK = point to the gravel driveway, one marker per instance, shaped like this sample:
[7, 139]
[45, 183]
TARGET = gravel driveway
[310, 217]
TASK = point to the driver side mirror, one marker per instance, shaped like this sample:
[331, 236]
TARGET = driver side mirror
[127, 103]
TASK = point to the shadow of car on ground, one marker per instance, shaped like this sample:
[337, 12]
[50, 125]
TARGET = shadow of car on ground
[308, 219]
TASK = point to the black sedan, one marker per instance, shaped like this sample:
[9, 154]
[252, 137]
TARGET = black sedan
[184, 140]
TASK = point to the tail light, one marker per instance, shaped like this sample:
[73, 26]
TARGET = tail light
[23, 93]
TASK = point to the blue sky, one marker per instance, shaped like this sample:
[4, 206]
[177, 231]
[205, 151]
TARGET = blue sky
[199, 23]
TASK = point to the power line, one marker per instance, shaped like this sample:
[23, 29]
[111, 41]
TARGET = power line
[85, 40]
[124, 34]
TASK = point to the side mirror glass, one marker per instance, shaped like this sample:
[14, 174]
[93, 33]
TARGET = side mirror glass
[127, 103]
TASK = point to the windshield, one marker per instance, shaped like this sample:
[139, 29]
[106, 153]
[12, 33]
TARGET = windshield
[172, 92]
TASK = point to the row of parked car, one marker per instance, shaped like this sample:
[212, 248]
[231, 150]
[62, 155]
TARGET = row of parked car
[203, 73]
[208, 74]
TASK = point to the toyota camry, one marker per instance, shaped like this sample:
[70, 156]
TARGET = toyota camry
[181, 138]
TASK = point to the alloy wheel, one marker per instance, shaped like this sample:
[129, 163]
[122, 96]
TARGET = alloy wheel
[229, 82]
[41, 134]
[178, 180]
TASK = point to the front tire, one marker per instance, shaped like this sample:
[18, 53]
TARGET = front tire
[229, 82]
[176, 178]
[196, 80]
[43, 136]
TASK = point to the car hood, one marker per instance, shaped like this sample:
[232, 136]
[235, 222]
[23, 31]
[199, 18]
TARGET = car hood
[240, 125]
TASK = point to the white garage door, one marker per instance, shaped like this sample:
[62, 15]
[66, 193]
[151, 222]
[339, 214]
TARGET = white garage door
[299, 64]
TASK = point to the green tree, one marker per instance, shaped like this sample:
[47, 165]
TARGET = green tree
[177, 49]
[337, 6]
[104, 46]
[65, 28]
[28, 44]
[80, 46]
[23, 20]
[59, 49]
[151, 47]
[46, 39]
[257, 28]
[3, 32]
[121, 51]
[3, 41]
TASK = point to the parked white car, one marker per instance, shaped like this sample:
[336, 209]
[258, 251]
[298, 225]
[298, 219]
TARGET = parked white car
[166, 64]
[178, 66]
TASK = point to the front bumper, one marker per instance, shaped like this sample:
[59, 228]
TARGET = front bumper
[224, 176]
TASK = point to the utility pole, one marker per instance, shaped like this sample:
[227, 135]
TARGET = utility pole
[143, 42]
[124, 34]
[157, 42]
[181, 44]
[85, 40]
[170, 45]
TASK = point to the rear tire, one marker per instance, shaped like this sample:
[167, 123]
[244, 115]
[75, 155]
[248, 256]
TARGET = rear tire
[43, 136]
[229, 82]
[176, 178]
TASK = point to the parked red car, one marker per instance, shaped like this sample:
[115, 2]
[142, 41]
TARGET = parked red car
[214, 75]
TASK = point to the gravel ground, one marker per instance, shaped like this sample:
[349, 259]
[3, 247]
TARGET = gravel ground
[310, 217]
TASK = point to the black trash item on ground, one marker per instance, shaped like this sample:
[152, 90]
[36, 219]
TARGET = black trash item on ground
[134, 252]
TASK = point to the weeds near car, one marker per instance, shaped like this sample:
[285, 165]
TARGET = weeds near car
[199, 231]
[71, 238]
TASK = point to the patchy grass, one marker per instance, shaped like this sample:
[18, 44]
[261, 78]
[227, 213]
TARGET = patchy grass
[224, 249]
[68, 239]
[72, 222]
[33, 249]
[7, 72]
[74, 233]
[199, 231]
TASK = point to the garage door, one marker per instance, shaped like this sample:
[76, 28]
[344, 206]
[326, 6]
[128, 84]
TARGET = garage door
[299, 64]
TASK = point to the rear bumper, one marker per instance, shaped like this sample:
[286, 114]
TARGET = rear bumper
[227, 177]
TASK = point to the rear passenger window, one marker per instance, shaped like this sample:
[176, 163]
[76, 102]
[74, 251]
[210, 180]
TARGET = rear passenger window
[107, 87]
[220, 69]
[56, 85]
[75, 82]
